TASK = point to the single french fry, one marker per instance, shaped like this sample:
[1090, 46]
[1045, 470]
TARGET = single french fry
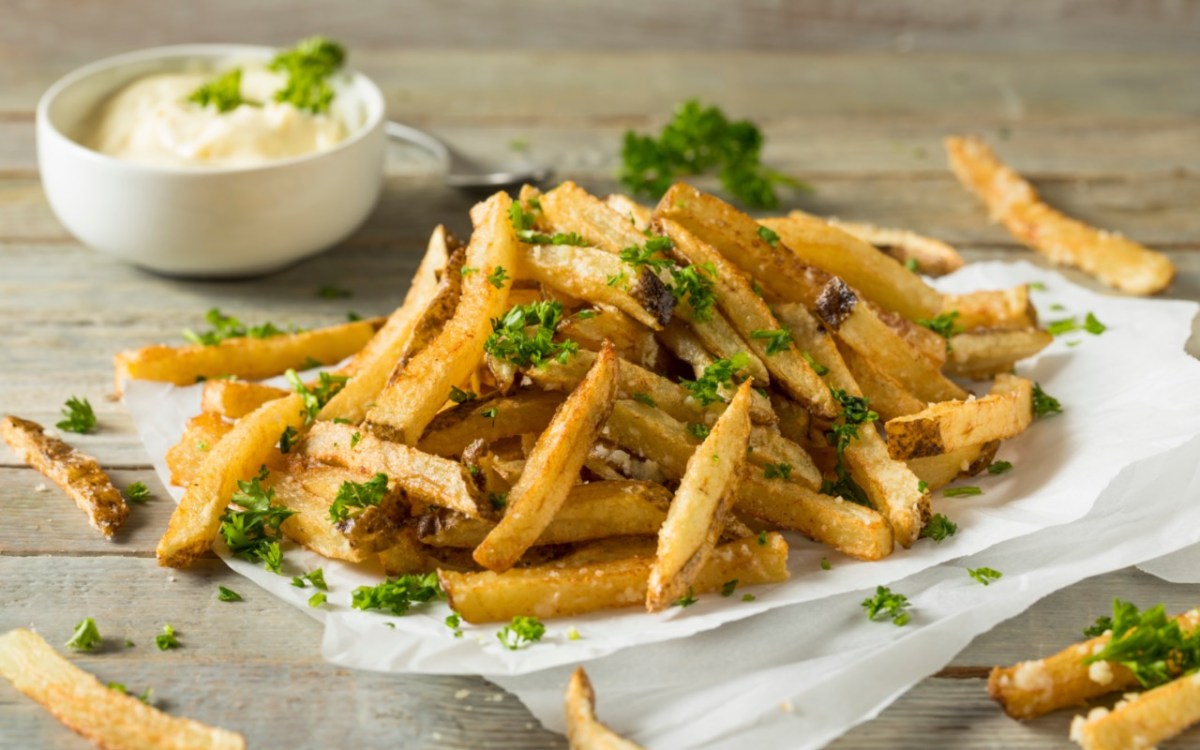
[570, 208]
[992, 308]
[78, 474]
[701, 505]
[1141, 721]
[234, 399]
[887, 395]
[854, 530]
[921, 339]
[1113, 259]
[112, 719]
[201, 434]
[983, 353]
[638, 215]
[856, 324]
[749, 314]
[584, 730]
[1032, 688]
[238, 456]
[559, 591]
[1003, 413]
[454, 429]
[877, 276]
[411, 399]
[424, 477]
[597, 510]
[553, 467]
[634, 342]
[932, 257]
[245, 357]
[938, 471]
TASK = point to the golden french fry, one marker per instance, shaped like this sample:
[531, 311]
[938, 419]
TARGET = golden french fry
[584, 730]
[702, 503]
[559, 590]
[932, 257]
[553, 467]
[923, 340]
[1141, 721]
[887, 396]
[938, 471]
[1113, 259]
[982, 353]
[78, 474]
[201, 434]
[877, 276]
[234, 399]
[110, 718]
[570, 208]
[633, 341]
[754, 322]
[992, 308]
[238, 456]
[411, 399]
[1003, 413]
[638, 215]
[245, 357]
[453, 430]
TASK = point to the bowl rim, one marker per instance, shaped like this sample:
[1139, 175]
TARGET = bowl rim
[199, 51]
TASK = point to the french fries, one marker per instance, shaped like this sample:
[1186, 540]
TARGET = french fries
[110, 718]
[202, 432]
[79, 475]
[983, 353]
[1142, 721]
[992, 308]
[1119, 262]
[454, 429]
[234, 399]
[948, 426]
[940, 470]
[930, 256]
[584, 730]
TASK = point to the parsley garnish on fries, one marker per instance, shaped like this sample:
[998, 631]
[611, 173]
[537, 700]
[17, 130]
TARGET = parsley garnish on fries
[252, 533]
[512, 341]
[1149, 644]
[397, 595]
[355, 497]
[939, 528]
[229, 327]
[723, 372]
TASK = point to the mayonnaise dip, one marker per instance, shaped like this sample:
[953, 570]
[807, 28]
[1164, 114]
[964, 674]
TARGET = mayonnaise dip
[151, 121]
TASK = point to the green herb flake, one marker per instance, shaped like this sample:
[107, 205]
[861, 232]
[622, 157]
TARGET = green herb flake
[524, 336]
[521, 632]
[1093, 326]
[911, 265]
[698, 431]
[355, 497]
[166, 640]
[86, 636]
[252, 533]
[137, 492]
[922, 486]
[687, 599]
[781, 470]
[722, 372]
[317, 599]
[330, 291]
[856, 411]
[228, 327]
[644, 398]
[287, 440]
[651, 254]
[224, 92]
[825, 564]
[573, 634]
[1044, 404]
[985, 575]
[309, 66]
[886, 604]
[353, 317]
[497, 277]
[770, 237]
[397, 595]
[820, 369]
[939, 528]
[585, 314]
[78, 416]
[996, 468]
[228, 595]
[762, 538]
[459, 396]
[967, 491]
[748, 597]
[490, 413]
[498, 500]
[454, 622]
[779, 340]
[316, 396]
[728, 588]
[355, 438]
[944, 325]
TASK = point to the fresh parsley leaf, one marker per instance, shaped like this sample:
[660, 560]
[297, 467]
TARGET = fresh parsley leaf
[228, 595]
[223, 92]
[317, 599]
[1102, 625]
[780, 470]
[695, 284]
[939, 528]
[498, 500]
[316, 577]
[511, 338]
[1037, 286]
[166, 640]
[497, 277]
[331, 291]
[315, 397]
[355, 438]
[531, 237]
[856, 411]
[961, 491]
[687, 599]
[466, 271]
[644, 398]
[820, 369]
[922, 486]
[825, 565]
[397, 595]
[309, 66]
[762, 538]
[722, 372]
[911, 265]
[996, 468]
[944, 325]
[79, 416]
[728, 588]
[985, 575]
[889, 605]
[650, 254]
[358, 495]
[459, 396]
[490, 413]
[521, 219]
[229, 327]
[521, 632]
[454, 622]
[287, 439]
[698, 431]
[137, 492]
[777, 340]
[353, 317]
[585, 314]
[1059, 327]
[1093, 326]
[86, 636]
[1044, 404]
[1151, 645]
[768, 235]
[252, 533]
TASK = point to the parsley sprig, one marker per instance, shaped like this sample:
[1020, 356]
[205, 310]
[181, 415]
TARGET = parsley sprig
[166, 640]
[252, 533]
[355, 497]
[397, 595]
[856, 411]
[78, 416]
[939, 528]
[86, 636]
[889, 605]
[223, 92]
[1150, 644]
[943, 324]
[692, 283]
[723, 372]
[316, 396]
[521, 632]
[1044, 404]
[309, 66]
[228, 327]
[525, 335]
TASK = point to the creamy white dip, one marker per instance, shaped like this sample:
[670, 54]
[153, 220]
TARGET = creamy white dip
[151, 121]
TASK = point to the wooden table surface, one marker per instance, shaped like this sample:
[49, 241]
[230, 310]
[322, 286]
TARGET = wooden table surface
[1097, 102]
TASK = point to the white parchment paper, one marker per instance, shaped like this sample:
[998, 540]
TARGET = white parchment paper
[1129, 396]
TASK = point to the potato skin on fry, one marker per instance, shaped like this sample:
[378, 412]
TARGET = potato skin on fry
[947, 426]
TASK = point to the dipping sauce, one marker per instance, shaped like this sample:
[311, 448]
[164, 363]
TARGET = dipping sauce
[151, 121]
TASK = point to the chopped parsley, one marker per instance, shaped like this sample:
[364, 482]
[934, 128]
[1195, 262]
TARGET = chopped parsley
[573, 634]
[490, 413]
[922, 486]
[825, 565]
[86, 636]
[358, 495]
[353, 317]
[228, 327]
[317, 599]
[315, 397]
[309, 66]
[1037, 286]
[315, 576]
[137, 492]
[1044, 404]
[939, 528]
[1091, 324]
[728, 588]
[698, 431]
[521, 632]
[768, 235]
[748, 597]
[586, 314]
[701, 139]
[223, 92]
[985, 575]
[1151, 645]
[644, 398]
[459, 396]
[355, 438]
[228, 595]
[520, 219]
[79, 416]
[466, 271]
[856, 411]
[512, 341]
[397, 595]
[497, 277]
[253, 532]
[166, 640]
[650, 254]
[911, 265]
[287, 439]
[330, 291]
[779, 340]
[996, 468]
[687, 599]
[889, 605]
[1102, 625]
[454, 622]
[695, 284]
[961, 491]
[498, 500]
[762, 538]
[944, 325]
[820, 369]
[706, 388]
[780, 470]
[531, 237]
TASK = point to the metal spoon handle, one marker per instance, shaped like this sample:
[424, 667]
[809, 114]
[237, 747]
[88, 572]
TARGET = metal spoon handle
[459, 171]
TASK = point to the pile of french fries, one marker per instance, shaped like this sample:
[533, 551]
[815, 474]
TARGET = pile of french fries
[590, 470]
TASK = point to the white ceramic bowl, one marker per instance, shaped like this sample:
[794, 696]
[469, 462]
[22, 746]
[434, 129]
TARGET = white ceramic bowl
[204, 221]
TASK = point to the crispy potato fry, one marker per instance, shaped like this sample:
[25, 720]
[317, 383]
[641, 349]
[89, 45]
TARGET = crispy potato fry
[794, 420]
[702, 503]
[921, 339]
[1144, 720]
[992, 308]
[454, 429]
[878, 276]
[633, 341]
[597, 510]
[931, 256]
[245, 357]
[1003, 413]
[888, 397]
[638, 215]
[862, 330]
[553, 467]
[938, 471]
[684, 343]
[411, 400]
[238, 456]
[185, 458]
[584, 730]
[234, 399]
[570, 208]
[855, 530]
[78, 474]
[559, 591]
[981, 354]
[1119, 262]
[424, 477]
[110, 718]
[1033, 688]
[599, 276]
[749, 315]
